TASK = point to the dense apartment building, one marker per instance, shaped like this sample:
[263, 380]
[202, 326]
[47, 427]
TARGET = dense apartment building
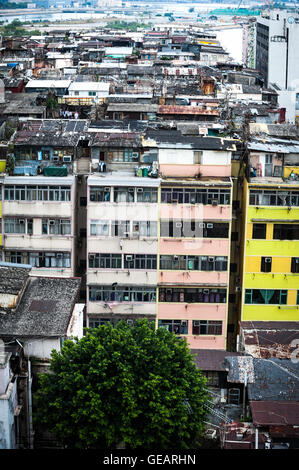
[271, 233]
[159, 247]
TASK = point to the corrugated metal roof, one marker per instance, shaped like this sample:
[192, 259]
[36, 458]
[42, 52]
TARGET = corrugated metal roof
[275, 413]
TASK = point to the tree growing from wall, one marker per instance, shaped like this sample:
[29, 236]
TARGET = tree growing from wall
[129, 385]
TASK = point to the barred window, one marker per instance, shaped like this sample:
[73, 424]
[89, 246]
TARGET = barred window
[99, 228]
[193, 263]
[105, 261]
[147, 195]
[56, 226]
[179, 327]
[99, 194]
[192, 295]
[259, 197]
[122, 294]
[37, 193]
[136, 261]
[206, 327]
[195, 196]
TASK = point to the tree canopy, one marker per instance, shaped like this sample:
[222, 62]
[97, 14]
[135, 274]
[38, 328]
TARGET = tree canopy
[130, 384]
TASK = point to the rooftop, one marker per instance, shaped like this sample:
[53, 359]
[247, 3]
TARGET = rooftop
[44, 309]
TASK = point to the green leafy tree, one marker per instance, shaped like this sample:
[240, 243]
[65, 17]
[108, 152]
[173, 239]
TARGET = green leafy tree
[130, 384]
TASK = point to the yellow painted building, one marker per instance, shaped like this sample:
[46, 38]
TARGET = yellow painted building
[270, 280]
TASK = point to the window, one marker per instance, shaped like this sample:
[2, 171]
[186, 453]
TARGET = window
[99, 228]
[122, 294]
[179, 327]
[193, 229]
[14, 225]
[105, 261]
[91, 93]
[259, 231]
[259, 197]
[147, 195]
[99, 194]
[195, 196]
[37, 193]
[266, 296]
[206, 327]
[120, 228]
[40, 259]
[145, 228]
[96, 322]
[295, 265]
[286, 232]
[266, 264]
[140, 261]
[192, 295]
[193, 263]
[19, 257]
[56, 226]
[123, 194]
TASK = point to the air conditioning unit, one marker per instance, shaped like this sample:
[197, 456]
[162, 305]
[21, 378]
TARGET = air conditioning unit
[129, 257]
[131, 190]
[107, 188]
[51, 222]
[175, 201]
[135, 154]
[214, 202]
[210, 225]
[206, 291]
[211, 259]
[268, 260]
[139, 190]
[175, 257]
[21, 221]
[201, 225]
[92, 256]
[67, 158]
[59, 255]
[55, 158]
[178, 224]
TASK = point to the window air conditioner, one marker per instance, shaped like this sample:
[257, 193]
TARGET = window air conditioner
[51, 222]
[59, 255]
[129, 257]
[175, 257]
[178, 224]
[131, 190]
[268, 260]
[67, 158]
[206, 291]
[21, 221]
[201, 225]
[135, 155]
[92, 256]
[210, 225]
[214, 202]
[139, 190]
[211, 259]
[107, 188]
[55, 158]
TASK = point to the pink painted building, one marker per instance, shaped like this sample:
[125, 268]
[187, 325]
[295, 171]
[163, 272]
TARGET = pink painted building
[193, 245]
